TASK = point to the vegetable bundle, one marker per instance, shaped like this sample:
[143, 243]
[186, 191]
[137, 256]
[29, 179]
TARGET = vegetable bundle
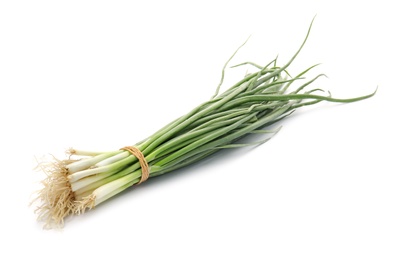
[259, 100]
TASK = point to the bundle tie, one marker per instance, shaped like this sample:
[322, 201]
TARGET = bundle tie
[141, 158]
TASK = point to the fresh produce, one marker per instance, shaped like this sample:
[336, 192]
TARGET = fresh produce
[253, 104]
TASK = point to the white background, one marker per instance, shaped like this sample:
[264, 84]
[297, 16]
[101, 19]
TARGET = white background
[104, 74]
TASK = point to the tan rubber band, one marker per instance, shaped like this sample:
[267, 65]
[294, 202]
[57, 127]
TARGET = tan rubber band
[141, 158]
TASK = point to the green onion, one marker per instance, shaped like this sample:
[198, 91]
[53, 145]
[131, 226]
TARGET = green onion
[257, 101]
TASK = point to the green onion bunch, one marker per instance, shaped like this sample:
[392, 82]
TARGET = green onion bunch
[259, 100]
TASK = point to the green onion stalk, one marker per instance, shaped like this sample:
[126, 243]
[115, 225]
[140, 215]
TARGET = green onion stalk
[259, 100]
